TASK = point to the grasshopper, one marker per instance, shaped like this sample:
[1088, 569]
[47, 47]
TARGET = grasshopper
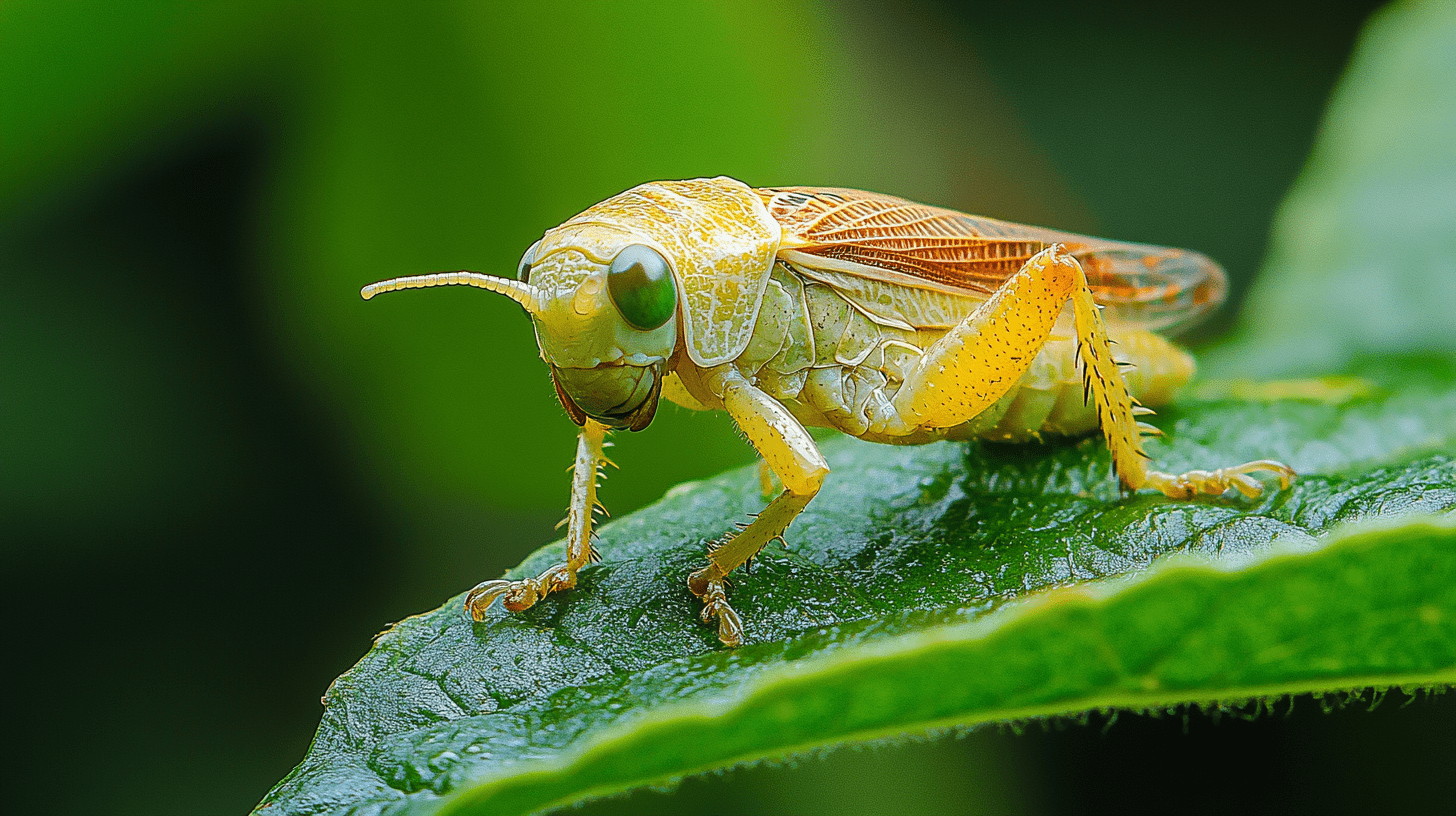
[888, 320]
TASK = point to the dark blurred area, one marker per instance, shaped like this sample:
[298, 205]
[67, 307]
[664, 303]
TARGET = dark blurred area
[223, 473]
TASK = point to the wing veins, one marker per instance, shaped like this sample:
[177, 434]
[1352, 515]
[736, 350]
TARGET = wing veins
[876, 236]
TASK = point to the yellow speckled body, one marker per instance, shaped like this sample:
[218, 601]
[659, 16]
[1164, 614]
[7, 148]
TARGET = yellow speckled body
[888, 320]
[834, 367]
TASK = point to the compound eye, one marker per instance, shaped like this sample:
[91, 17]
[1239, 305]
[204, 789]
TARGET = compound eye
[523, 270]
[640, 283]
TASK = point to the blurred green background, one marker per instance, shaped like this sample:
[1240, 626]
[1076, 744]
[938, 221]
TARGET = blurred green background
[223, 472]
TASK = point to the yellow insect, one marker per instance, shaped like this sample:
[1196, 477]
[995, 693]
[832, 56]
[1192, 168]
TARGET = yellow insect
[888, 320]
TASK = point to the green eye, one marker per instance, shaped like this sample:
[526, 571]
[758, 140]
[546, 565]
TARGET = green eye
[641, 285]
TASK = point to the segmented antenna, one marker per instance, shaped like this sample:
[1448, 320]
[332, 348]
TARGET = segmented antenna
[521, 292]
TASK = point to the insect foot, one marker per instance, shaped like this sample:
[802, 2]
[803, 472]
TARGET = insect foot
[1187, 485]
[518, 596]
[708, 584]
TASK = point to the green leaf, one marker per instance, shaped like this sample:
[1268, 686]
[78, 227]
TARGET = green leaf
[875, 620]
[1363, 253]
[901, 604]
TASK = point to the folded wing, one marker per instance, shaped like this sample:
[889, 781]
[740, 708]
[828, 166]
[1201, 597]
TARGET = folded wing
[893, 240]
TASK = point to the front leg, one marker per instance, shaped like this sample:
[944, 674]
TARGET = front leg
[518, 596]
[792, 455]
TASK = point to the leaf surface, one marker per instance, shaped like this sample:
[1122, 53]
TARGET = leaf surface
[896, 609]
[952, 584]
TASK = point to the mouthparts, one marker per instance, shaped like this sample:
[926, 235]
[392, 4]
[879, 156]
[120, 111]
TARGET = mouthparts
[619, 396]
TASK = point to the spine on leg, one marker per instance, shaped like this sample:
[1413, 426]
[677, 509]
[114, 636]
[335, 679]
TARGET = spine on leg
[589, 460]
[1103, 382]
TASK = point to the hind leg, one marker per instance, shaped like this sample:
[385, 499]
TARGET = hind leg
[985, 356]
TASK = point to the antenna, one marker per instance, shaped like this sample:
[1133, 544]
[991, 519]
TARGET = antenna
[519, 291]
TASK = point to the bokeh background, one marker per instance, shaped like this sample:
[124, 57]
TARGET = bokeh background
[221, 473]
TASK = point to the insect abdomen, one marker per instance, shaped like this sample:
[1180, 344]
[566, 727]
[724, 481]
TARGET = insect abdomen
[833, 367]
[1050, 399]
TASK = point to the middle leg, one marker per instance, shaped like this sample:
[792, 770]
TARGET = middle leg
[792, 455]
